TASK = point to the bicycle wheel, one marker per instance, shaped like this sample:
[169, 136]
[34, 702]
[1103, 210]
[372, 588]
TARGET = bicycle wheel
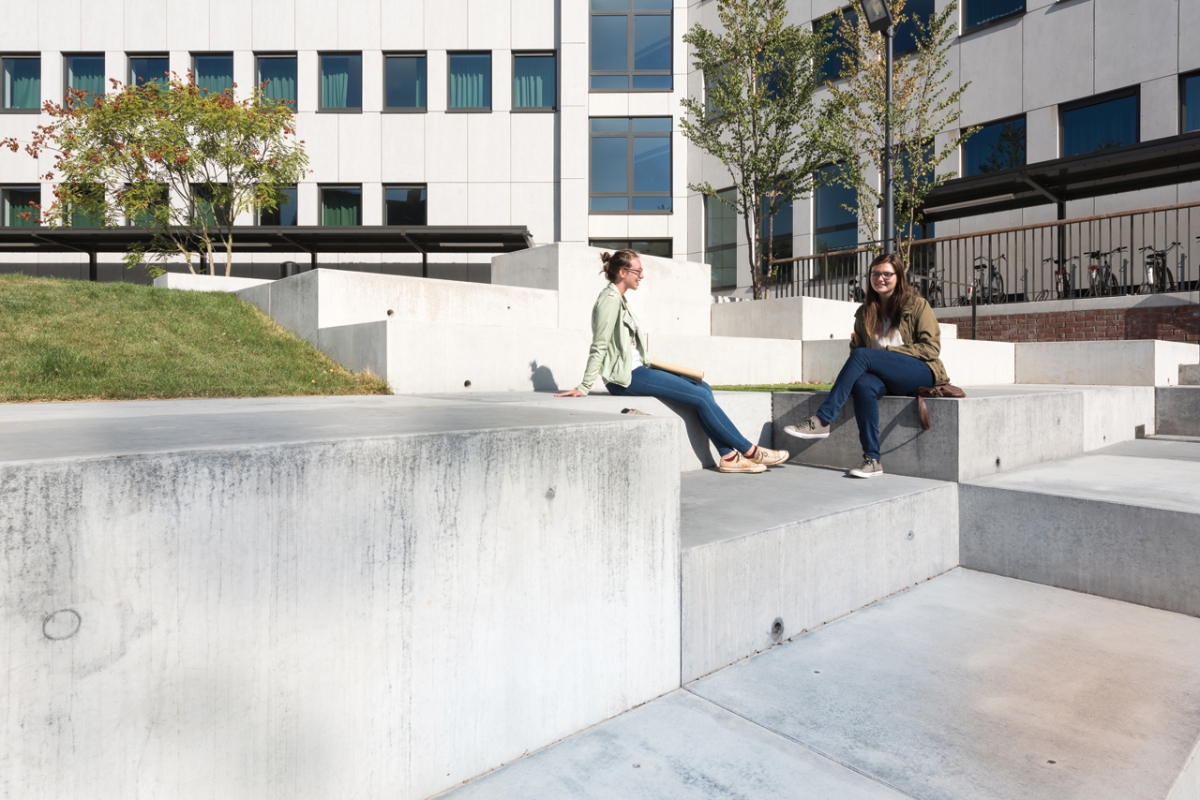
[1164, 280]
[1108, 286]
[996, 290]
[936, 298]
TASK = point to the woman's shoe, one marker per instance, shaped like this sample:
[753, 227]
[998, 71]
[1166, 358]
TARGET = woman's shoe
[769, 458]
[811, 428]
[870, 468]
[739, 463]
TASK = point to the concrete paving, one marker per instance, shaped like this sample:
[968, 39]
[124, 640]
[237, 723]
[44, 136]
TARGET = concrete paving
[968, 687]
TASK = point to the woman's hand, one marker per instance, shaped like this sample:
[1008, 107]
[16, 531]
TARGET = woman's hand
[570, 393]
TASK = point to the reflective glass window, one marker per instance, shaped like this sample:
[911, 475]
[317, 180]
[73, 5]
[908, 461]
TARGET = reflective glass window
[906, 33]
[284, 213]
[996, 146]
[832, 68]
[835, 222]
[631, 164]
[631, 45]
[662, 248]
[22, 89]
[1100, 125]
[404, 82]
[1191, 102]
[146, 69]
[341, 81]
[214, 73]
[277, 76]
[84, 73]
[471, 81]
[534, 81]
[405, 205]
[981, 12]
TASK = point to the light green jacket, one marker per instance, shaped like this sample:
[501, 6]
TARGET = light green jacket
[611, 353]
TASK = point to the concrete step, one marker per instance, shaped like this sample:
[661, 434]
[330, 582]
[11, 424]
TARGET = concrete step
[967, 687]
[968, 363]
[1122, 522]
[1147, 362]
[1177, 410]
[766, 557]
[993, 429]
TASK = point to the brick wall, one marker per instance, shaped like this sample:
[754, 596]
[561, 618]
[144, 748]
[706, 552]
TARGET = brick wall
[1179, 323]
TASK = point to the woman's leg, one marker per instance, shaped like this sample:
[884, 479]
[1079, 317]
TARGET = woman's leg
[647, 382]
[866, 393]
[901, 374]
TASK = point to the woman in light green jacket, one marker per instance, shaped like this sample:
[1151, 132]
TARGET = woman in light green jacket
[618, 356]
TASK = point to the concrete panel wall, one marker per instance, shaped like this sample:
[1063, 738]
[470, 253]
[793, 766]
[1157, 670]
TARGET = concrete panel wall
[205, 283]
[727, 360]
[1189, 374]
[369, 618]
[1129, 363]
[1113, 414]
[803, 318]
[1178, 410]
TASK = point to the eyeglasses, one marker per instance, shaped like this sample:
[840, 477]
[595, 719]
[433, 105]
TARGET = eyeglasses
[882, 276]
[636, 272]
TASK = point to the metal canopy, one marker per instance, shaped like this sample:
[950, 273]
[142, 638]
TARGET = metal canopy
[1162, 162]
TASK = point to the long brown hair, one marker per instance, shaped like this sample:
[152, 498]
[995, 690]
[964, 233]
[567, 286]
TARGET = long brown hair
[876, 309]
[615, 262]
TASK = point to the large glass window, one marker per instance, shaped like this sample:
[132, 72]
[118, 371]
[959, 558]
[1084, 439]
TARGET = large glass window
[214, 72]
[285, 212]
[631, 165]
[18, 206]
[906, 34]
[1100, 124]
[471, 81]
[22, 84]
[981, 12]
[147, 69]
[832, 68]
[341, 81]
[341, 205]
[405, 205]
[1190, 95]
[146, 216]
[404, 83]
[995, 146]
[777, 236]
[534, 81]
[84, 73]
[216, 214]
[277, 77]
[631, 45]
[720, 238]
[662, 248]
[835, 222]
[87, 215]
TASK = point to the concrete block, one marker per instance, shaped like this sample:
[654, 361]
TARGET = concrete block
[259, 296]
[803, 318]
[823, 358]
[1189, 374]
[969, 363]
[727, 360]
[1115, 525]
[390, 601]
[1177, 410]
[1115, 363]
[205, 283]
[801, 545]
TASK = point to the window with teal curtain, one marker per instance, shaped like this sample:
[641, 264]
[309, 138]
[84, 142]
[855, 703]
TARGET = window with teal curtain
[278, 73]
[215, 213]
[404, 83]
[17, 202]
[22, 84]
[341, 205]
[214, 73]
[147, 69]
[534, 81]
[88, 217]
[85, 74]
[471, 80]
[341, 81]
[145, 216]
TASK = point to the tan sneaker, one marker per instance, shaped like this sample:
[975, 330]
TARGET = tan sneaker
[769, 458]
[739, 463]
[811, 428]
[870, 468]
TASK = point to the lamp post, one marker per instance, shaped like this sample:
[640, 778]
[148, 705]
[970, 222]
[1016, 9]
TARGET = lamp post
[879, 19]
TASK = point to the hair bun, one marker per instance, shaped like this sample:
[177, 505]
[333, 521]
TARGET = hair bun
[605, 257]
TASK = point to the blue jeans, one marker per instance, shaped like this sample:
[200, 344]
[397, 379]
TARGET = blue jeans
[867, 376]
[646, 382]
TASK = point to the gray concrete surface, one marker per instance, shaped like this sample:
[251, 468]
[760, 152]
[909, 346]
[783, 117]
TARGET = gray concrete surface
[1147, 362]
[803, 545]
[1178, 410]
[1189, 374]
[1122, 523]
[360, 597]
[973, 686]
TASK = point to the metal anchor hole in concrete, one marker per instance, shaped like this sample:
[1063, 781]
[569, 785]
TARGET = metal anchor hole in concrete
[911, 535]
[466, 383]
[390, 312]
[61, 624]
[777, 629]
[997, 461]
[550, 493]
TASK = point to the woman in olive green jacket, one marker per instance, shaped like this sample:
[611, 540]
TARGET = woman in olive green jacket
[894, 350]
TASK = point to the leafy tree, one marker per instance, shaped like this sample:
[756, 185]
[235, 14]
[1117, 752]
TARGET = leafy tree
[923, 106]
[759, 116]
[1008, 151]
[169, 156]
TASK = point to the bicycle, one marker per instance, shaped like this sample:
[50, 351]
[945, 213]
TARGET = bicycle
[993, 290]
[930, 286]
[1102, 282]
[1158, 275]
[1062, 276]
[855, 291]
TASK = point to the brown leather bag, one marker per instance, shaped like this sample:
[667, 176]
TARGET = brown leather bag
[945, 390]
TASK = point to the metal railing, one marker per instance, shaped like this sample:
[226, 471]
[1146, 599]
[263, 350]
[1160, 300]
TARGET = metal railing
[1146, 251]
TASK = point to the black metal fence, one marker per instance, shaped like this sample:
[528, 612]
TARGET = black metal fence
[1135, 252]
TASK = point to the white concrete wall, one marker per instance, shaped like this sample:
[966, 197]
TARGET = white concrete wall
[206, 283]
[1117, 363]
[801, 318]
[726, 360]
[967, 362]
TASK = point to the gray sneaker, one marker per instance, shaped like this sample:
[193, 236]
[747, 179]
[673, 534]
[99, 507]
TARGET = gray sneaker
[811, 428]
[870, 468]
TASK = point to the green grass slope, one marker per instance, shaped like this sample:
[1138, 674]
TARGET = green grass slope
[71, 340]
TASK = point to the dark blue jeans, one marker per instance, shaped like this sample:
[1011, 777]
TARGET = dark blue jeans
[646, 382]
[867, 376]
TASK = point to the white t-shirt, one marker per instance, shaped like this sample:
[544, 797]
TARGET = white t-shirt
[887, 337]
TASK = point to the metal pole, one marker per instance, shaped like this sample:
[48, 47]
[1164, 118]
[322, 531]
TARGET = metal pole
[93, 269]
[974, 312]
[889, 206]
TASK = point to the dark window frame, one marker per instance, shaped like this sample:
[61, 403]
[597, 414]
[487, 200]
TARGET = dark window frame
[66, 72]
[557, 81]
[631, 51]
[383, 199]
[6, 56]
[321, 107]
[17, 187]
[1015, 14]
[607, 243]
[450, 54]
[321, 187]
[629, 136]
[1002, 121]
[1098, 99]
[1183, 79]
[386, 109]
[129, 57]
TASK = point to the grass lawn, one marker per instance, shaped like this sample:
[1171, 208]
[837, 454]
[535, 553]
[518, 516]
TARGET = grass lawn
[73, 340]
[776, 387]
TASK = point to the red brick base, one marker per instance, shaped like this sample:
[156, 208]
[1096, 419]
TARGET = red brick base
[1170, 323]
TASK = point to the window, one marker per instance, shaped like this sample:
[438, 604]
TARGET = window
[404, 83]
[779, 245]
[216, 213]
[835, 224]
[145, 216]
[84, 73]
[148, 69]
[404, 205]
[995, 146]
[284, 213]
[662, 248]
[832, 68]
[341, 205]
[1189, 86]
[88, 217]
[1100, 124]
[214, 73]
[18, 206]
[534, 81]
[277, 77]
[631, 165]
[631, 45]
[341, 81]
[471, 81]
[720, 238]
[905, 40]
[22, 84]
[982, 12]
